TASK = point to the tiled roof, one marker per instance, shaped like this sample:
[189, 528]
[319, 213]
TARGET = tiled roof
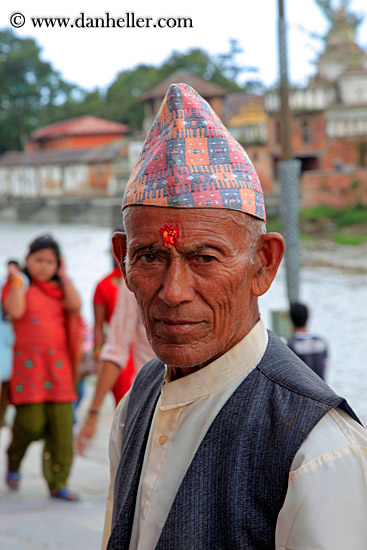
[80, 126]
[203, 87]
[106, 153]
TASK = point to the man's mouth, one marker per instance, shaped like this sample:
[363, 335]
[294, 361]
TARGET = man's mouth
[177, 326]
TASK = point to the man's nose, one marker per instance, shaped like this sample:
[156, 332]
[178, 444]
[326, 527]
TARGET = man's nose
[177, 286]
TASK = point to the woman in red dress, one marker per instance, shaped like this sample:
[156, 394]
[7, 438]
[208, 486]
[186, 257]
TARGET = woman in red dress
[43, 306]
[104, 303]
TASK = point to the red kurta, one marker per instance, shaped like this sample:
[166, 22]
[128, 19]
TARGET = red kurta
[106, 295]
[42, 371]
[106, 292]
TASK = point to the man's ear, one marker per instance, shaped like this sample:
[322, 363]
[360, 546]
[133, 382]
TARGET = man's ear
[119, 250]
[269, 254]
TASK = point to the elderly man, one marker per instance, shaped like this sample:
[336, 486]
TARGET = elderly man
[227, 440]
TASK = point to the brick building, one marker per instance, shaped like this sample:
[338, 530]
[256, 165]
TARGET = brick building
[81, 156]
[329, 121]
[76, 133]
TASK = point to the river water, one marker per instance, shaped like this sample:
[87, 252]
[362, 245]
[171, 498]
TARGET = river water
[337, 298]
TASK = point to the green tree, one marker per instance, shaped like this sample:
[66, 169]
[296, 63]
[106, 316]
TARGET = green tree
[123, 96]
[201, 63]
[230, 68]
[332, 14]
[77, 104]
[32, 93]
[27, 84]
[194, 60]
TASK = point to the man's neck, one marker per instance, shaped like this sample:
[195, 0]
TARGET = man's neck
[179, 372]
[300, 329]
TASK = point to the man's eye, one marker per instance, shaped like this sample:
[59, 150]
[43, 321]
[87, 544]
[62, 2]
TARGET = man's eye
[205, 259]
[148, 258]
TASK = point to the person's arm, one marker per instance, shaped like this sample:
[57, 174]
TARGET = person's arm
[105, 382]
[326, 502]
[99, 317]
[122, 329]
[114, 356]
[72, 300]
[14, 302]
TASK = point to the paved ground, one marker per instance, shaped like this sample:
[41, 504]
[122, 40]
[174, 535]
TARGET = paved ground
[30, 520]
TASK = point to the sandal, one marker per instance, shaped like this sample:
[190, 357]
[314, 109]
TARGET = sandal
[65, 494]
[13, 480]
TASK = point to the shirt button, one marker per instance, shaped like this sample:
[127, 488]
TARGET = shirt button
[162, 439]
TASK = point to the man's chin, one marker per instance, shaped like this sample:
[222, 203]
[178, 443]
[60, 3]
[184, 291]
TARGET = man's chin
[179, 355]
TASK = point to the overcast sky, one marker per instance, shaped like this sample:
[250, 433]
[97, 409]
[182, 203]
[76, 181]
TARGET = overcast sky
[93, 57]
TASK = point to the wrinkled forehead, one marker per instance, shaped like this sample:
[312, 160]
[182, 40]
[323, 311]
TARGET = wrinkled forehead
[175, 226]
[155, 215]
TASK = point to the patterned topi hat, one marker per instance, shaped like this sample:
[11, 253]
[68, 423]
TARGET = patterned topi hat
[190, 160]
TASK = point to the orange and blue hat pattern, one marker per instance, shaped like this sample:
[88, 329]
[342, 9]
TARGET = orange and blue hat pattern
[190, 160]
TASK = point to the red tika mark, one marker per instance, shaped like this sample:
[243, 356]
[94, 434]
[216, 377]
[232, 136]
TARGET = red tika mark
[169, 235]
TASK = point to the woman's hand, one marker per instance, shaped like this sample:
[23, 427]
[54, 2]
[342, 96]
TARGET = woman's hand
[62, 269]
[14, 272]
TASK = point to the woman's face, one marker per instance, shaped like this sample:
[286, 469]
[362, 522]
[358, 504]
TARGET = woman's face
[42, 265]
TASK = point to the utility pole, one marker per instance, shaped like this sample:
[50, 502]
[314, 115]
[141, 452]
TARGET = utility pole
[289, 170]
[285, 117]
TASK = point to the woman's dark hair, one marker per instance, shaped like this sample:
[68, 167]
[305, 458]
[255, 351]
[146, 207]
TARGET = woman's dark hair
[41, 243]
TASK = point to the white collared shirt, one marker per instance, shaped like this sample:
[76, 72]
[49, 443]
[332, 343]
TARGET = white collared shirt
[327, 490]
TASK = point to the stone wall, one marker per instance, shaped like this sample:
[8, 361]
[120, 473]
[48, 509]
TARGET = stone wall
[335, 189]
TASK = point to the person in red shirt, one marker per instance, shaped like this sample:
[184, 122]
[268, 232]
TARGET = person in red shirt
[104, 302]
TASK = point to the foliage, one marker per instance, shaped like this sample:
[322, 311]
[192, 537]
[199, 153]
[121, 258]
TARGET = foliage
[304, 237]
[123, 96]
[274, 224]
[333, 14]
[350, 239]
[229, 67]
[326, 8]
[319, 212]
[33, 94]
[27, 85]
[349, 224]
[342, 217]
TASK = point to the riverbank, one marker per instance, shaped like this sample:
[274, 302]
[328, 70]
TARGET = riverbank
[98, 211]
[95, 210]
[324, 252]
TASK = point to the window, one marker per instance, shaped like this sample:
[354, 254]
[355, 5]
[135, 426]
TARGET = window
[277, 132]
[306, 132]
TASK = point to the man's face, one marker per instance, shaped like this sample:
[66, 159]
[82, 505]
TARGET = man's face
[195, 297]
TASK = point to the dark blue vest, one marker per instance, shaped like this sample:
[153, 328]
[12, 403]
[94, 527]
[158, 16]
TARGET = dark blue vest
[235, 486]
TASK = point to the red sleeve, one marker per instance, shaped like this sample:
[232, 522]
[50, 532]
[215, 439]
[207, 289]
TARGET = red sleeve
[98, 297]
[105, 295]
[5, 291]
